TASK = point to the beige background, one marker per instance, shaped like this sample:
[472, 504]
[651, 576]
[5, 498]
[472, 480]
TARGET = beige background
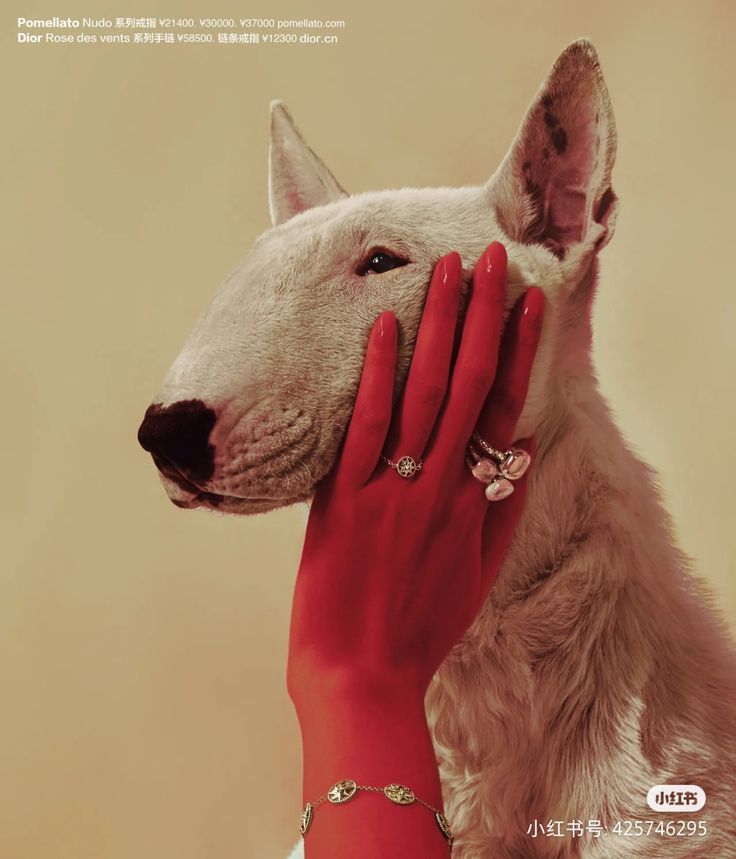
[142, 648]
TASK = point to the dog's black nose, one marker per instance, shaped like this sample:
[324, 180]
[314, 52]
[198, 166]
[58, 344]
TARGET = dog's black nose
[179, 435]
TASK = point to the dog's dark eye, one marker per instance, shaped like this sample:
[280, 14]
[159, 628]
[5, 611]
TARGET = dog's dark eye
[379, 262]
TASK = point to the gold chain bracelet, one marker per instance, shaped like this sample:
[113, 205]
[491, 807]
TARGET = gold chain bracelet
[399, 794]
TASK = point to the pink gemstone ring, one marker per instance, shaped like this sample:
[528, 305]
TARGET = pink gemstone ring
[496, 468]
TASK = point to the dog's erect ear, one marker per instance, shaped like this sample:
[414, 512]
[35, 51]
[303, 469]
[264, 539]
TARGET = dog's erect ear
[554, 185]
[297, 179]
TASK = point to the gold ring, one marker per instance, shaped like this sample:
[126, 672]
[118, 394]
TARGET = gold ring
[404, 467]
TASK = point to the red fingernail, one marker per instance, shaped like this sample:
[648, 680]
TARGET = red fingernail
[386, 324]
[443, 269]
[494, 255]
[450, 268]
[534, 302]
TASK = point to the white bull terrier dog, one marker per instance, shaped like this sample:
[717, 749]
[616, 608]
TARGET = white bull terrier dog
[598, 667]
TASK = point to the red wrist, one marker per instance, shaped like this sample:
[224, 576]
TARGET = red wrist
[373, 739]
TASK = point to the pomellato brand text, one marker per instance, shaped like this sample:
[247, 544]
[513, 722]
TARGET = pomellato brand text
[172, 31]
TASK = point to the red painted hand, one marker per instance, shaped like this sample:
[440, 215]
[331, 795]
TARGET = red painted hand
[392, 573]
[395, 569]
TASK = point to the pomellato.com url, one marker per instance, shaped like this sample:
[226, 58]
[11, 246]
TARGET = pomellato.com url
[173, 31]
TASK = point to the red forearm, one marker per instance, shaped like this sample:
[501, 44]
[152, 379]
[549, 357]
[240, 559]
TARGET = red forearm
[374, 741]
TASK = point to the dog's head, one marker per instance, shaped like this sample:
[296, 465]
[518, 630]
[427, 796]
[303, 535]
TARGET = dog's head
[251, 413]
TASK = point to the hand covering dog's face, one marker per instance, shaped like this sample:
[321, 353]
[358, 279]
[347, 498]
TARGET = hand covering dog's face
[251, 414]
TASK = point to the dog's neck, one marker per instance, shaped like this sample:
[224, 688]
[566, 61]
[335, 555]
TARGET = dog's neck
[532, 659]
[577, 681]
[582, 464]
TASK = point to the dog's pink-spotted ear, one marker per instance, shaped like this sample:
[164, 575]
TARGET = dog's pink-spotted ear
[297, 179]
[554, 186]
